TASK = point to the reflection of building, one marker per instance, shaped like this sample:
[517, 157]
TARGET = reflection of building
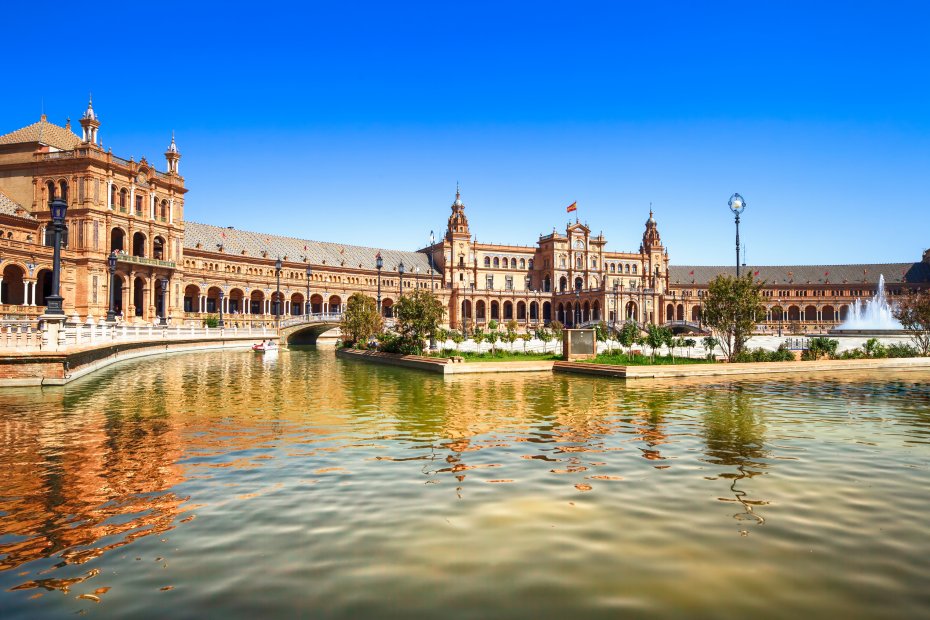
[187, 270]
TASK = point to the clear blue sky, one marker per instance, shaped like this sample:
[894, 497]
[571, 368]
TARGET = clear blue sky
[352, 122]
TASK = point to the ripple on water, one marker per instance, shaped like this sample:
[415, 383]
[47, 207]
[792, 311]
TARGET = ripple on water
[215, 484]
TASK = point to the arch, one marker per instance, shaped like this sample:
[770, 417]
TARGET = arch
[234, 301]
[466, 309]
[632, 310]
[117, 240]
[63, 190]
[191, 298]
[495, 311]
[547, 312]
[828, 313]
[844, 312]
[257, 302]
[138, 244]
[560, 313]
[297, 304]
[118, 288]
[547, 284]
[163, 210]
[158, 248]
[579, 283]
[513, 263]
[586, 312]
[634, 269]
[480, 312]
[213, 299]
[43, 287]
[696, 314]
[810, 313]
[138, 296]
[596, 311]
[497, 262]
[487, 261]
[534, 311]
[521, 310]
[777, 313]
[613, 268]
[681, 312]
[335, 303]
[13, 288]
[50, 190]
[563, 283]
[387, 308]
[123, 196]
[522, 263]
[508, 310]
[669, 312]
[316, 303]
[112, 196]
[794, 313]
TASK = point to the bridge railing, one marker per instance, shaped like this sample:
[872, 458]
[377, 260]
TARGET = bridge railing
[316, 317]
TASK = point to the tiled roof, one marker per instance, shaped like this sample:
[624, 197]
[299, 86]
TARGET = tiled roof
[319, 252]
[785, 275]
[43, 132]
[9, 207]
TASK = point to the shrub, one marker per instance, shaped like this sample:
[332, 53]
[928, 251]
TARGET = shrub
[211, 320]
[874, 348]
[902, 350]
[820, 346]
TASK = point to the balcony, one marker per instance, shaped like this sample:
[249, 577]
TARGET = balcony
[141, 260]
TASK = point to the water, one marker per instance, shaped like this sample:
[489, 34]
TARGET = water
[222, 485]
[872, 314]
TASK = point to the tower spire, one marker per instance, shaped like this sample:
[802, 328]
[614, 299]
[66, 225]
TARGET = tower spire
[172, 156]
[90, 123]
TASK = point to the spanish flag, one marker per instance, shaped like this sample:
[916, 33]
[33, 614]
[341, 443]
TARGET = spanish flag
[572, 207]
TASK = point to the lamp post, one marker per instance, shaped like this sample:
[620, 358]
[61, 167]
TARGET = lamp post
[432, 242]
[577, 306]
[401, 270]
[164, 302]
[59, 208]
[277, 272]
[737, 205]
[616, 302]
[379, 263]
[416, 276]
[307, 306]
[111, 265]
[220, 323]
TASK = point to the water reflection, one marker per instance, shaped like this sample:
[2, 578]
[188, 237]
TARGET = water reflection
[107, 471]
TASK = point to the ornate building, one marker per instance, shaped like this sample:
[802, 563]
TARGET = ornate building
[167, 266]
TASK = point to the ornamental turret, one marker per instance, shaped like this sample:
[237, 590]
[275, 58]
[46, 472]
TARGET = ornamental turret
[90, 124]
[458, 222]
[172, 156]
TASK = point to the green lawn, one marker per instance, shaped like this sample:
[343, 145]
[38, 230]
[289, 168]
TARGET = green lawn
[622, 359]
[502, 356]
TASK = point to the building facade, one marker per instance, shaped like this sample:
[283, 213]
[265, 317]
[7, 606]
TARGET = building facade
[186, 271]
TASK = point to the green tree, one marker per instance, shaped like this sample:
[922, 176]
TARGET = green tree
[601, 332]
[546, 336]
[730, 310]
[710, 343]
[360, 320]
[690, 343]
[457, 338]
[478, 336]
[913, 312]
[525, 337]
[655, 337]
[556, 327]
[418, 316]
[628, 336]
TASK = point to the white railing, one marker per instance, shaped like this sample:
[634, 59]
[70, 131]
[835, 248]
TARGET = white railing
[26, 336]
[317, 317]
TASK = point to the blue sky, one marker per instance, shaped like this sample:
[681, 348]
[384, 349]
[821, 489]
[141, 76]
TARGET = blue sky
[352, 122]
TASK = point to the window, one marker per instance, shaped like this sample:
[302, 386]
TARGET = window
[489, 282]
[529, 264]
[593, 263]
[634, 270]
[513, 263]
[562, 262]
[487, 261]
[508, 283]
[138, 205]
[461, 260]
[579, 263]
[497, 262]
[613, 267]
[522, 263]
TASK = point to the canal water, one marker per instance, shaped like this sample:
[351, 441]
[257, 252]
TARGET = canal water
[227, 485]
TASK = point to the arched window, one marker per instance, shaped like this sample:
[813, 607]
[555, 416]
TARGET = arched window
[613, 267]
[634, 270]
[522, 263]
[578, 284]
[593, 263]
[163, 211]
[579, 263]
[497, 262]
[112, 196]
[628, 268]
[513, 263]
[50, 186]
[122, 199]
[487, 261]
[63, 187]
[529, 264]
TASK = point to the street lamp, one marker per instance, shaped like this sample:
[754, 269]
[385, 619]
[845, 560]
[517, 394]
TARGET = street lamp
[416, 276]
[307, 305]
[737, 205]
[432, 242]
[401, 269]
[164, 301]
[59, 208]
[616, 302]
[577, 305]
[277, 271]
[379, 263]
[220, 323]
[111, 264]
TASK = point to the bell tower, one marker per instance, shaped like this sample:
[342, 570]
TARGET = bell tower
[90, 124]
[172, 156]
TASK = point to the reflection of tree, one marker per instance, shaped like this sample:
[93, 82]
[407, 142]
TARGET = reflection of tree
[734, 436]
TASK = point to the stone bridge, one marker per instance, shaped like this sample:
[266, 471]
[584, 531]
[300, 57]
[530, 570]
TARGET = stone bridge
[319, 328]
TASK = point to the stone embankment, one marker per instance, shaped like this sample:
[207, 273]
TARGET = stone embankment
[444, 365]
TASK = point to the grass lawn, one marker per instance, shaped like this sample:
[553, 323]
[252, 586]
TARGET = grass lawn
[502, 356]
[622, 359]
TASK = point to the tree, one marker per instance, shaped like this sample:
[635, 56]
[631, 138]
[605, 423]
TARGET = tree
[478, 336]
[525, 337]
[511, 335]
[655, 337]
[730, 310]
[913, 312]
[689, 343]
[418, 316]
[628, 336]
[546, 336]
[710, 343]
[492, 337]
[456, 337]
[556, 327]
[360, 320]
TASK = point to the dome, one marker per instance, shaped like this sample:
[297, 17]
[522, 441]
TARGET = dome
[651, 221]
[172, 148]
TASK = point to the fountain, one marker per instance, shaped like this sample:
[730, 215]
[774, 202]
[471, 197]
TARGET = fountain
[871, 316]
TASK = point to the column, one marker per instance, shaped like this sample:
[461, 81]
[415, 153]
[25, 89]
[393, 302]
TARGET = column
[1, 287]
[203, 303]
[110, 194]
[31, 293]
[152, 206]
[171, 211]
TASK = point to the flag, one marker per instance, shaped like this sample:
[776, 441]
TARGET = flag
[223, 235]
[572, 207]
[305, 248]
[826, 273]
[691, 273]
[756, 273]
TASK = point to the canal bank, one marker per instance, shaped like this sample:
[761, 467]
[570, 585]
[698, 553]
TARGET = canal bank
[446, 366]
[60, 368]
